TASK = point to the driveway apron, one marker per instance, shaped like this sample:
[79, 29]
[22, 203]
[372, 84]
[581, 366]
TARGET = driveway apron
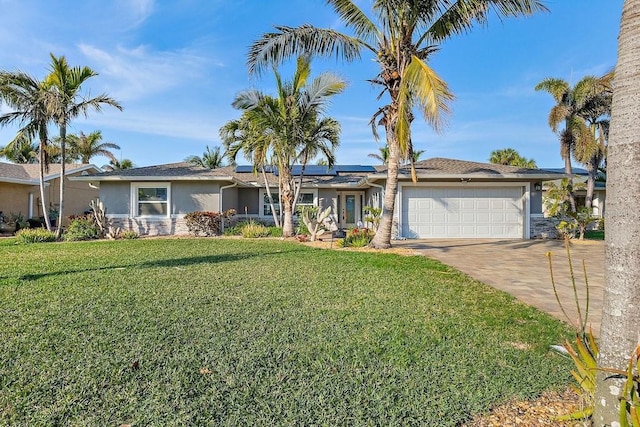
[521, 268]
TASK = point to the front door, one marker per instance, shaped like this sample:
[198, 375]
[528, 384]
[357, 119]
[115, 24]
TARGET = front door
[351, 209]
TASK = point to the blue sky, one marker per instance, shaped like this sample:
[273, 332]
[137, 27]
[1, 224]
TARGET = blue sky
[176, 66]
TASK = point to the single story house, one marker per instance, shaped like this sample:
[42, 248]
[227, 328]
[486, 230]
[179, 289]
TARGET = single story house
[452, 198]
[20, 189]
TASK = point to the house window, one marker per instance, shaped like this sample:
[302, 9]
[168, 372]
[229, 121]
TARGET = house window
[305, 198]
[266, 207]
[151, 199]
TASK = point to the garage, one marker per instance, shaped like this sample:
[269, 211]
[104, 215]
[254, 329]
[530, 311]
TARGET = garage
[462, 212]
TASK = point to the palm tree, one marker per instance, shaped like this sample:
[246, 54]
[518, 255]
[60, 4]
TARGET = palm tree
[116, 165]
[29, 99]
[211, 158]
[66, 82]
[289, 128]
[20, 150]
[85, 147]
[510, 157]
[621, 310]
[382, 156]
[246, 136]
[592, 133]
[570, 101]
[401, 36]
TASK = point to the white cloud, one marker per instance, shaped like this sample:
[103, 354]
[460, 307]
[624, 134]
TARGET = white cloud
[138, 73]
[138, 10]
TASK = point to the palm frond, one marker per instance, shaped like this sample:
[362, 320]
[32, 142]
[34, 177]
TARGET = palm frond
[422, 84]
[287, 42]
[558, 88]
[354, 18]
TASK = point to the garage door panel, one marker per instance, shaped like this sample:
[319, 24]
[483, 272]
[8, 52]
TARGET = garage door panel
[462, 212]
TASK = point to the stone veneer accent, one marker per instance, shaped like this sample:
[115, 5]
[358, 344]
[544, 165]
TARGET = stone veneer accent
[544, 228]
[152, 226]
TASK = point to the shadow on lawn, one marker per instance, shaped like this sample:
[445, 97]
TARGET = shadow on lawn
[167, 263]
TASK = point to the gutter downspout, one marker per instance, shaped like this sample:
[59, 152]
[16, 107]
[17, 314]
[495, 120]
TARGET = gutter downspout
[235, 184]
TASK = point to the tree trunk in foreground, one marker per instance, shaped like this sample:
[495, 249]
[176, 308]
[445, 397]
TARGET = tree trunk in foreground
[382, 239]
[621, 312]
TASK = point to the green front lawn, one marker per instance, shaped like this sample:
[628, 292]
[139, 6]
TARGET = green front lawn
[257, 332]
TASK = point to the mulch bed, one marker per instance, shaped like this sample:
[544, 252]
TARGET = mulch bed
[542, 411]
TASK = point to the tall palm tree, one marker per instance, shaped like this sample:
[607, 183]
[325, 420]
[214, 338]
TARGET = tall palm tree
[29, 99]
[401, 35]
[66, 82]
[570, 101]
[116, 165]
[592, 133]
[509, 156]
[212, 158]
[83, 147]
[621, 308]
[20, 150]
[291, 127]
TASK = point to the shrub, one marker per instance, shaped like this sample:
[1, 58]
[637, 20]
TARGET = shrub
[35, 235]
[275, 231]
[129, 235]
[82, 228]
[207, 223]
[234, 230]
[357, 238]
[301, 228]
[252, 229]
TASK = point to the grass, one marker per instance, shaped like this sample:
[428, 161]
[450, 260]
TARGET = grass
[257, 332]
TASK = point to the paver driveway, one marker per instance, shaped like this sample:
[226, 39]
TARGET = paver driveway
[520, 267]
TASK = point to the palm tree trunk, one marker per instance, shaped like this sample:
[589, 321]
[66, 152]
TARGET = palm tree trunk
[592, 170]
[43, 161]
[286, 199]
[276, 220]
[566, 140]
[621, 311]
[382, 238]
[63, 160]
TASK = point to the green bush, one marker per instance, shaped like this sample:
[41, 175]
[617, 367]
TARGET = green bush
[35, 235]
[81, 228]
[252, 229]
[357, 238]
[275, 231]
[301, 228]
[129, 235]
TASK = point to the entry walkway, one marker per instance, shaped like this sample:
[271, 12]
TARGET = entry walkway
[521, 268]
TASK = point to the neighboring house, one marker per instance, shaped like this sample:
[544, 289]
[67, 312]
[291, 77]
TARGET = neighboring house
[20, 189]
[452, 198]
[599, 192]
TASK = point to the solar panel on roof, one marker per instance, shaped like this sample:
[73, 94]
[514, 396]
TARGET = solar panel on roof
[313, 170]
[354, 168]
[249, 168]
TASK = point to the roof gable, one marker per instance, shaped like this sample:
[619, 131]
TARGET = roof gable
[29, 174]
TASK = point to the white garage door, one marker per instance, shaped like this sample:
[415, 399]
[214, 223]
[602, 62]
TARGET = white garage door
[462, 212]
